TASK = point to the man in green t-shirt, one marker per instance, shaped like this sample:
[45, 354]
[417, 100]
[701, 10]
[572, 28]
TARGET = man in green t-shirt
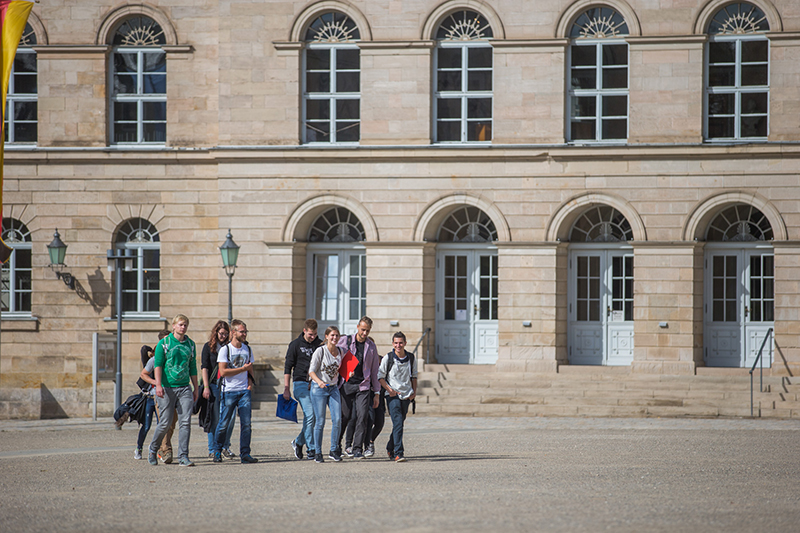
[175, 369]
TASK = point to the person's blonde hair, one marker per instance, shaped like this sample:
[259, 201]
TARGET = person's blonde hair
[179, 318]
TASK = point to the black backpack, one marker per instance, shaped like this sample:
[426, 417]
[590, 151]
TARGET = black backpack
[216, 368]
[390, 364]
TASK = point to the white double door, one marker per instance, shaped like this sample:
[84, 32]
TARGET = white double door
[739, 306]
[337, 287]
[466, 306]
[600, 307]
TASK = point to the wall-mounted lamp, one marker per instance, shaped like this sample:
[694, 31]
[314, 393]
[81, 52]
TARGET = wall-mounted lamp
[230, 254]
[58, 251]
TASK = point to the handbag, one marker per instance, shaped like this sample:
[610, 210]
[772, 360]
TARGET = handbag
[287, 409]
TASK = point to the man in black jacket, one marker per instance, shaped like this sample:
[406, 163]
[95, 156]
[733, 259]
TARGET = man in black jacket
[298, 359]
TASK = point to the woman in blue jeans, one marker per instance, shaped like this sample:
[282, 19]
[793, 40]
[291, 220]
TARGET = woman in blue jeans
[324, 372]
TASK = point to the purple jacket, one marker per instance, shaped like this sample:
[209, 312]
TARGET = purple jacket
[371, 361]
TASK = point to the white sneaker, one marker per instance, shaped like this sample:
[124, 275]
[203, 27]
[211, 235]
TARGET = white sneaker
[370, 451]
[137, 454]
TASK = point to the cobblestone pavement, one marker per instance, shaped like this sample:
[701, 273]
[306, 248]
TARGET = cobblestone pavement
[463, 474]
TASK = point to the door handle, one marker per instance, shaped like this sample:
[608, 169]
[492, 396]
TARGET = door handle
[746, 311]
[476, 309]
[608, 310]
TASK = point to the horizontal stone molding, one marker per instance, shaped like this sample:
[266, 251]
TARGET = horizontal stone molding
[70, 51]
[667, 40]
[785, 37]
[391, 45]
[559, 44]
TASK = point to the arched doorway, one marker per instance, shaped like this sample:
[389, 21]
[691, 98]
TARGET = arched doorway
[336, 287]
[466, 288]
[600, 290]
[739, 298]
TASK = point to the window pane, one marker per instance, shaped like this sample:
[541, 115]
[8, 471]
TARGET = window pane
[25, 132]
[25, 63]
[125, 62]
[448, 131]
[348, 82]
[721, 76]
[479, 131]
[582, 130]
[347, 109]
[125, 111]
[318, 82]
[124, 84]
[479, 108]
[720, 127]
[125, 133]
[448, 81]
[615, 54]
[584, 56]
[318, 109]
[479, 81]
[151, 301]
[615, 129]
[615, 106]
[155, 62]
[724, 52]
[154, 84]
[721, 104]
[154, 132]
[584, 106]
[25, 84]
[318, 59]
[448, 107]
[582, 78]
[25, 111]
[318, 131]
[615, 78]
[154, 110]
[754, 75]
[754, 127]
[348, 59]
[479, 57]
[347, 131]
[753, 51]
[449, 58]
[754, 103]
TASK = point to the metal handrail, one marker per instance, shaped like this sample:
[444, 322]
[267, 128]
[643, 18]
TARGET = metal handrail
[761, 360]
[427, 345]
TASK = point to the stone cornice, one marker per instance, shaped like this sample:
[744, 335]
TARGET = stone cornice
[530, 43]
[287, 45]
[784, 36]
[391, 45]
[43, 51]
[671, 40]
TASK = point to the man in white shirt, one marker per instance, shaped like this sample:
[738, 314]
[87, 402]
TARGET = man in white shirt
[236, 370]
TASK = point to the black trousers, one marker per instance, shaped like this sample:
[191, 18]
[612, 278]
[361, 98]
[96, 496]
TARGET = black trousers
[355, 406]
[377, 418]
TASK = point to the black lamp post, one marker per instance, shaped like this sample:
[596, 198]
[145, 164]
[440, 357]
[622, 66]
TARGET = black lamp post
[230, 253]
[58, 251]
[119, 260]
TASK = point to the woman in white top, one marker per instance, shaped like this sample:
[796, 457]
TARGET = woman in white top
[324, 372]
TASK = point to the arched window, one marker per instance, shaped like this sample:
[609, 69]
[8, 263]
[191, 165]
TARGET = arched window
[337, 281]
[740, 223]
[15, 275]
[21, 117]
[601, 223]
[737, 76]
[139, 83]
[463, 63]
[598, 77]
[141, 286]
[331, 81]
[467, 224]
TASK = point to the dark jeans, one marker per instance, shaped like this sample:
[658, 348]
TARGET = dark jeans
[397, 411]
[231, 402]
[377, 418]
[356, 405]
[150, 408]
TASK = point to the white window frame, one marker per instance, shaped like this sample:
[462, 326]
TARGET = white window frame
[598, 92]
[11, 266]
[139, 97]
[737, 90]
[344, 251]
[332, 96]
[464, 94]
[13, 98]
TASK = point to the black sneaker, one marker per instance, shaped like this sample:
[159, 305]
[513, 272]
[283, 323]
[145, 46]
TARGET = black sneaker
[318, 458]
[358, 455]
[247, 458]
[298, 449]
[217, 457]
[336, 456]
[311, 455]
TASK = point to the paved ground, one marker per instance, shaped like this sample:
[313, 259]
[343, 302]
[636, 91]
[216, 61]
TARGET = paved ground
[463, 474]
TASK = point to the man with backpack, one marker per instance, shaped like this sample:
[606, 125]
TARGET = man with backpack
[236, 370]
[398, 375]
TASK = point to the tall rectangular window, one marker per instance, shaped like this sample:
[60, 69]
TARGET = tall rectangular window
[139, 96]
[21, 117]
[463, 93]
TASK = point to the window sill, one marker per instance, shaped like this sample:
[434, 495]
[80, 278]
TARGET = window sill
[134, 323]
[12, 322]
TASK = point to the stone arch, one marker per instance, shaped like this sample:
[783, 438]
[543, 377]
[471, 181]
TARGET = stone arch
[561, 222]
[38, 29]
[576, 8]
[105, 33]
[710, 9]
[435, 17]
[24, 213]
[117, 214]
[704, 212]
[306, 16]
[434, 214]
[300, 220]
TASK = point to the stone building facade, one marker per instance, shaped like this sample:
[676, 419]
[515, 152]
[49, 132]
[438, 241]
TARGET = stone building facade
[540, 183]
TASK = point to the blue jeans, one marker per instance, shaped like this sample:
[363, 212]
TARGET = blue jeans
[302, 394]
[320, 398]
[150, 408]
[216, 409]
[231, 401]
[397, 411]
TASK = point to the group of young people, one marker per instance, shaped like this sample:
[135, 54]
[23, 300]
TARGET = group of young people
[342, 374]
[346, 376]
